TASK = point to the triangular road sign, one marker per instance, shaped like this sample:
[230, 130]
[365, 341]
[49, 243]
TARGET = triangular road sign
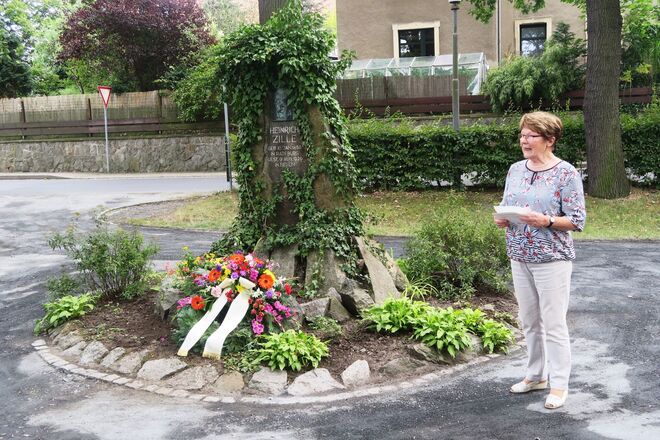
[104, 91]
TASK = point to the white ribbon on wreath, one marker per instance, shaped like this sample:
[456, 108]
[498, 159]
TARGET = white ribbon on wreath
[237, 310]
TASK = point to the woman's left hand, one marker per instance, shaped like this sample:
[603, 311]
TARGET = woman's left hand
[535, 219]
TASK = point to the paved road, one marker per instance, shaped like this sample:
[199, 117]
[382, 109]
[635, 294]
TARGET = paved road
[613, 316]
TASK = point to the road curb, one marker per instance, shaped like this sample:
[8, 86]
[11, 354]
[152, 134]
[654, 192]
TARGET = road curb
[65, 366]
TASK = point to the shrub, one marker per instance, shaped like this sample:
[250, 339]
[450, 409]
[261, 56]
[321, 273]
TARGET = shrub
[639, 135]
[327, 327]
[393, 154]
[290, 350]
[394, 315]
[114, 263]
[441, 329]
[523, 80]
[459, 254]
[495, 336]
[65, 309]
[63, 285]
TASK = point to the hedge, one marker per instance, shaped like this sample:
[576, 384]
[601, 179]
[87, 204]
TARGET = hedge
[395, 154]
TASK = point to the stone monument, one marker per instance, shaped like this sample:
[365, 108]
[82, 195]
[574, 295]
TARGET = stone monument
[302, 150]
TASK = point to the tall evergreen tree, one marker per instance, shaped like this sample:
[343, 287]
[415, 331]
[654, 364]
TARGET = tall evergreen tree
[15, 78]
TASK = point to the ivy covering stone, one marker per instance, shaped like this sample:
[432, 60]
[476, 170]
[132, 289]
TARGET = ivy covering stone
[288, 52]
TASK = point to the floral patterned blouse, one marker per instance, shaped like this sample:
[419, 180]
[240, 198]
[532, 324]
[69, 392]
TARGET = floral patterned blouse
[556, 192]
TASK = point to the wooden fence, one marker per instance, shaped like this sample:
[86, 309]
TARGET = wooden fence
[478, 103]
[82, 115]
[76, 115]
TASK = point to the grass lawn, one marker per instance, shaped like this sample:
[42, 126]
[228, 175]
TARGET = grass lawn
[402, 213]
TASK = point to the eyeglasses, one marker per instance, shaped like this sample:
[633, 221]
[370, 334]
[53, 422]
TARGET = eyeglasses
[527, 136]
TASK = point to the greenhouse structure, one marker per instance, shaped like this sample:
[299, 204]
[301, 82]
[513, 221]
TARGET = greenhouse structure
[471, 65]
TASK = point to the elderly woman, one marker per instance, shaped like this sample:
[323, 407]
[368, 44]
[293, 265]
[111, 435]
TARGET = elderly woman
[541, 251]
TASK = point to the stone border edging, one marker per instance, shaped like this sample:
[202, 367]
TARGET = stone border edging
[61, 364]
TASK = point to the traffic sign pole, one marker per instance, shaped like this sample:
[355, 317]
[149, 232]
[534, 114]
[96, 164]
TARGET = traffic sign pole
[104, 91]
[107, 155]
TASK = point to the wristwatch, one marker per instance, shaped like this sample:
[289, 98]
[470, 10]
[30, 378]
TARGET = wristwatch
[552, 222]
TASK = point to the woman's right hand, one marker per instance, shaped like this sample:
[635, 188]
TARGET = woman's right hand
[501, 223]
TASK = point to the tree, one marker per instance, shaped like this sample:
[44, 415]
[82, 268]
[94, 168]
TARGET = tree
[226, 16]
[607, 175]
[268, 7]
[133, 43]
[37, 24]
[15, 78]
[640, 36]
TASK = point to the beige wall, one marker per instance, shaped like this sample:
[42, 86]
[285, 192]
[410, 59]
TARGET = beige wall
[365, 26]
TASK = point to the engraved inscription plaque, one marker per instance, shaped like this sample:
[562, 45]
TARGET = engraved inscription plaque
[284, 151]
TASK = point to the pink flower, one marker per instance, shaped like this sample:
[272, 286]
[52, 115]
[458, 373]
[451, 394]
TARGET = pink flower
[257, 328]
[216, 291]
[183, 302]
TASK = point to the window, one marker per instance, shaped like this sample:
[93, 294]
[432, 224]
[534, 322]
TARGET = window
[532, 38]
[415, 39]
[416, 42]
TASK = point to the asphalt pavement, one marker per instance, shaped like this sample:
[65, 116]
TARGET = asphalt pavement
[613, 319]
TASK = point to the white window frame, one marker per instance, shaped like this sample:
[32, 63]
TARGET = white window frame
[416, 25]
[518, 23]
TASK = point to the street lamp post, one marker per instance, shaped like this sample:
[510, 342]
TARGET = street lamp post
[454, 80]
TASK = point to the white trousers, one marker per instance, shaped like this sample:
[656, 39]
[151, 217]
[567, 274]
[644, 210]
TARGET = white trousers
[542, 291]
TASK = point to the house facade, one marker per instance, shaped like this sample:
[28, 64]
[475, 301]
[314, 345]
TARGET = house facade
[395, 28]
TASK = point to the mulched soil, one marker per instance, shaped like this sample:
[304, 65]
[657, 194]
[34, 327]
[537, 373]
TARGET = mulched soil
[134, 325]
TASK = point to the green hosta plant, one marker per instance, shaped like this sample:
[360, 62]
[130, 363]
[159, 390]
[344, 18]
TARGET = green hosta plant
[495, 336]
[394, 315]
[443, 330]
[65, 309]
[291, 350]
[472, 318]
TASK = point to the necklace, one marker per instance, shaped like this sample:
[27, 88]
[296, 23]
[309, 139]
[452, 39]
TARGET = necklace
[542, 165]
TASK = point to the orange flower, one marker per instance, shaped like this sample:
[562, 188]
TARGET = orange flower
[214, 275]
[266, 281]
[237, 258]
[197, 302]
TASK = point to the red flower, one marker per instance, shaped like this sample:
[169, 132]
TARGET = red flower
[287, 289]
[237, 258]
[197, 302]
[214, 275]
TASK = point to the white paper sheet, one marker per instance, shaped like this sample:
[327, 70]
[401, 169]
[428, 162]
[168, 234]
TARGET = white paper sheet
[510, 213]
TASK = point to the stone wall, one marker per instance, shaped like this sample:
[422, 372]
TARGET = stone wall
[135, 155]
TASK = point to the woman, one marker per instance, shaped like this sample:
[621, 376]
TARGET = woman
[541, 251]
